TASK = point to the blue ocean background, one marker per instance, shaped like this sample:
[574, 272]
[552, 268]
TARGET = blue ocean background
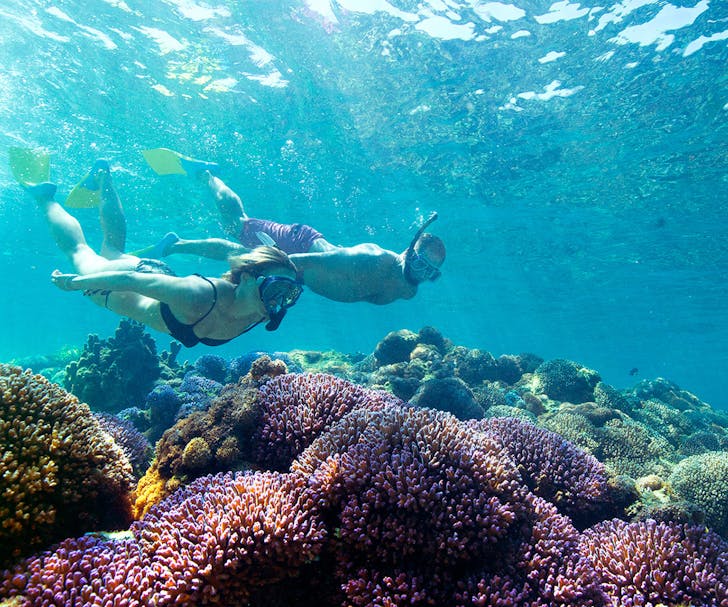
[576, 154]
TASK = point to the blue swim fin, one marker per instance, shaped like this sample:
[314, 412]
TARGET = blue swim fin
[29, 167]
[168, 162]
[87, 192]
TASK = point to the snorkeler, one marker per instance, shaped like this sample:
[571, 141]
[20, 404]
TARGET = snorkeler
[364, 272]
[259, 286]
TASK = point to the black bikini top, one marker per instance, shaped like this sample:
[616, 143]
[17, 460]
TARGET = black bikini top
[185, 334]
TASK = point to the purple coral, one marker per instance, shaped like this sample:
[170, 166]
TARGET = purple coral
[132, 442]
[552, 467]
[296, 408]
[546, 569]
[83, 572]
[651, 563]
[415, 486]
[228, 534]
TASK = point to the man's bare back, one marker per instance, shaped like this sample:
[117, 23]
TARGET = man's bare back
[365, 272]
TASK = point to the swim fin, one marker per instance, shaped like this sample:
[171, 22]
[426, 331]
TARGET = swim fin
[87, 192]
[29, 167]
[168, 162]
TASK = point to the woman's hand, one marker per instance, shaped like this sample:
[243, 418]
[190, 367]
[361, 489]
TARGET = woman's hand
[64, 281]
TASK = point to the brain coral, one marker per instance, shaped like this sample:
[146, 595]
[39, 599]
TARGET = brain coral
[60, 473]
[703, 480]
[296, 408]
[650, 563]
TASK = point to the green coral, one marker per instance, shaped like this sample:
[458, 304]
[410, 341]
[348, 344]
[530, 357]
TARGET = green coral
[703, 480]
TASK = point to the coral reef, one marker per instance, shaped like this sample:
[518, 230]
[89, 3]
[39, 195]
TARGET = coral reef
[296, 408]
[566, 380]
[449, 394]
[61, 474]
[552, 467]
[115, 373]
[703, 481]
[651, 563]
[133, 443]
[287, 488]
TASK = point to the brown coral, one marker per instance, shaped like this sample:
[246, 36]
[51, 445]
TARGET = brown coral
[60, 473]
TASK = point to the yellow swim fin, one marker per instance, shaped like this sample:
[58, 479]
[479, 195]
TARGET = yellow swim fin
[29, 167]
[87, 192]
[168, 162]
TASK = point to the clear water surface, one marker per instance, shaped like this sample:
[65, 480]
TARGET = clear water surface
[576, 153]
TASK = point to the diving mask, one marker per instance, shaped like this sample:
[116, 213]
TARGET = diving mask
[278, 293]
[417, 268]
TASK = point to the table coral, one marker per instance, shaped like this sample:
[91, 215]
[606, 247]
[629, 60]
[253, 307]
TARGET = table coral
[60, 473]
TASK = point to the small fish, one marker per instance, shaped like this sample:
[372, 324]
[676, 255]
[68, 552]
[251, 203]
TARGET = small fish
[634, 371]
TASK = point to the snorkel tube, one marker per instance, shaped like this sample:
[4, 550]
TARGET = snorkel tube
[418, 234]
[411, 248]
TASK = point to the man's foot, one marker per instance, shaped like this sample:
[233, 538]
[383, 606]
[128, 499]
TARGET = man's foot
[198, 168]
[161, 249]
[41, 192]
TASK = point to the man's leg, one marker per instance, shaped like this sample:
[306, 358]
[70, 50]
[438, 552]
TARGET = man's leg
[229, 204]
[111, 214]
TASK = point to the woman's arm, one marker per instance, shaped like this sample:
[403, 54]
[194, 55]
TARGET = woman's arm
[180, 292]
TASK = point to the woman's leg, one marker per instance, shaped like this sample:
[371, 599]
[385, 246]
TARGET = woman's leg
[67, 232]
[228, 203]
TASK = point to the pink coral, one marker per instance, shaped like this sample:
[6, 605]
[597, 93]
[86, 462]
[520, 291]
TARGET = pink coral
[650, 563]
[84, 572]
[296, 408]
[227, 534]
[552, 467]
[414, 485]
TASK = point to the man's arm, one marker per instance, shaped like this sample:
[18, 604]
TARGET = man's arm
[211, 248]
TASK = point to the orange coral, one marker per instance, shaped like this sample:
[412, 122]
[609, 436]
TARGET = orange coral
[151, 489]
[60, 473]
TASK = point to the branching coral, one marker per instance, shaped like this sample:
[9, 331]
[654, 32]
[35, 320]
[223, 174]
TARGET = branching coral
[248, 530]
[650, 563]
[133, 443]
[115, 373]
[415, 486]
[296, 408]
[551, 466]
[703, 480]
[60, 473]
[565, 380]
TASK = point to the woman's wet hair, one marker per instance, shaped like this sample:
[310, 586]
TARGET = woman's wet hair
[258, 262]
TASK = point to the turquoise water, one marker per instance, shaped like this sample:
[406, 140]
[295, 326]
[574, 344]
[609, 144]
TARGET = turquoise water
[576, 154]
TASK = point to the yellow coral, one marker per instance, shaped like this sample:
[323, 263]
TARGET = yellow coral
[60, 474]
[151, 489]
